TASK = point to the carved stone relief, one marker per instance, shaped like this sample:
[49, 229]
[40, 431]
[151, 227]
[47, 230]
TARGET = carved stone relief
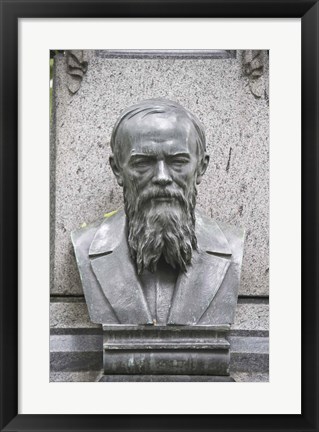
[76, 68]
[254, 63]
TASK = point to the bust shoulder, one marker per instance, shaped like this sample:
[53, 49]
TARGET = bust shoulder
[82, 237]
[233, 233]
[100, 236]
[236, 238]
[219, 237]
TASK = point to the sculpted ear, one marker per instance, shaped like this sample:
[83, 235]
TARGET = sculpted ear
[116, 170]
[202, 167]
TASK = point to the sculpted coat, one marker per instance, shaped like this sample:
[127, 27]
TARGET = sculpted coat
[204, 295]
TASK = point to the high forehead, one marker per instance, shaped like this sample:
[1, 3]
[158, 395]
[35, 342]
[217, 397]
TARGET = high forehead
[156, 129]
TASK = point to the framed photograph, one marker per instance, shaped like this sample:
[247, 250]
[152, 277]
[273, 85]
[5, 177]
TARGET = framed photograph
[256, 93]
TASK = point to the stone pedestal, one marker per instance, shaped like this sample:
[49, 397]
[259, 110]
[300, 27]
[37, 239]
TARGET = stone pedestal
[167, 350]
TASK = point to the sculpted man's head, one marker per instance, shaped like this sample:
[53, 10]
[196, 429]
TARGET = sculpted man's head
[159, 156]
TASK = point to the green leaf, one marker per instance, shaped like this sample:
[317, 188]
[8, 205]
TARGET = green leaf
[51, 68]
[107, 215]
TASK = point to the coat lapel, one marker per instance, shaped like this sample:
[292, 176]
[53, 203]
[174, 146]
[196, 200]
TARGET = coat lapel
[196, 289]
[115, 271]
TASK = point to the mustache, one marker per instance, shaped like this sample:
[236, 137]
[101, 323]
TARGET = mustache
[162, 193]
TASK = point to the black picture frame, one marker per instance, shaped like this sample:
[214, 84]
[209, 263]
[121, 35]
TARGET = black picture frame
[11, 11]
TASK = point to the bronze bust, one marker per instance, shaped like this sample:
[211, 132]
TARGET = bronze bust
[159, 261]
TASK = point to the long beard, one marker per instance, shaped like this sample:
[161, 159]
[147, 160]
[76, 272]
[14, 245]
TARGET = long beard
[161, 229]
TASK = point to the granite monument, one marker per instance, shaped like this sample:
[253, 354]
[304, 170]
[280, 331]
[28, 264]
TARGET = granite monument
[161, 277]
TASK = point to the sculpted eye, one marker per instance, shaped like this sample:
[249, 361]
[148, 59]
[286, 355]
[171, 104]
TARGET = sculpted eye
[142, 162]
[179, 161]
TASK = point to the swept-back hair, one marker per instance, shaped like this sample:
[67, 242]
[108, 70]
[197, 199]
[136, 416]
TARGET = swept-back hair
[159, 106]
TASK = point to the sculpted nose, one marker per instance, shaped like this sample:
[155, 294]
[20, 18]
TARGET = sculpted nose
[161, 175]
